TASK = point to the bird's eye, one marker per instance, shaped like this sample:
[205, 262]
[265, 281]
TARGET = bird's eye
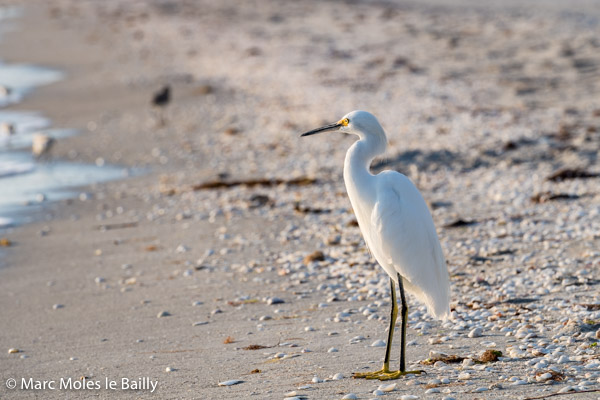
[345, 122]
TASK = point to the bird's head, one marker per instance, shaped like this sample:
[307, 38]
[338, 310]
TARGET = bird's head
[361, 123]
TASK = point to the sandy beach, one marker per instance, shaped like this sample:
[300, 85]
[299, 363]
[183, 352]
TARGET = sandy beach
[231, 251]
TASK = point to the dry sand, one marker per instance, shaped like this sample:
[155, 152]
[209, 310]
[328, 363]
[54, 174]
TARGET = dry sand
[481, 104]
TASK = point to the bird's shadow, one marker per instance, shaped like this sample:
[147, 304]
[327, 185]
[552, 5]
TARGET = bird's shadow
[427, 160]
[545, 149]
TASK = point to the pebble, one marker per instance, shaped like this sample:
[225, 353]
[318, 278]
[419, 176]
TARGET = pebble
[563, 359]
[350, 396]
[230, 382]
[337, 377]
[182, 249]
[357, 339]
[409, 397]
[543, 377]
[432, 391]
[170, 369]
[199, 323]
[316, 380]
[57, 306]
[378, 343]
[476, 332]
[332, 350]
[437, 354]
[13, 351]
[387, 388]
[378, 392]
[333, 240]
[467, 362]
[274, 300]
[163, 314]
[464, 376]
[567, 389]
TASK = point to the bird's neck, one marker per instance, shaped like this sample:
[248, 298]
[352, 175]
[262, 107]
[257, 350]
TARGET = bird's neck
[357, 174]
[361, 154]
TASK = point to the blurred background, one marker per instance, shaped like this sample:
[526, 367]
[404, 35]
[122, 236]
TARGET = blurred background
[155, 142]
[458, 86]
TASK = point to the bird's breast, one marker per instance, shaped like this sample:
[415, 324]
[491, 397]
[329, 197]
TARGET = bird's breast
[362, 206]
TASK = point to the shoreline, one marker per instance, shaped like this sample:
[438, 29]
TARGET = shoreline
[51, 181]
[155, 276]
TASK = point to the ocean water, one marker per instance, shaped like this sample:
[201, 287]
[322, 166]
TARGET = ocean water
[25, 182]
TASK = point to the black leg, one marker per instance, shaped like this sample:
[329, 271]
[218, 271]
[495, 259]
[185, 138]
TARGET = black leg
[393, 317]
[404, 312]
[385, 374]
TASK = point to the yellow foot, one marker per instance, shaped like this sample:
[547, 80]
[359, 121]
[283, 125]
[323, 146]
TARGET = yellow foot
[384, 374]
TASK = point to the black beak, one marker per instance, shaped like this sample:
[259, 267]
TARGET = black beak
[326, 128]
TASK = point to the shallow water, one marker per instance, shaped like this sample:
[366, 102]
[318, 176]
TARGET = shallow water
[29, 183]
[22, 78]
[26, 183]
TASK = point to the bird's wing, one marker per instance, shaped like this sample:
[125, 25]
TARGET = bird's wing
[406, 240]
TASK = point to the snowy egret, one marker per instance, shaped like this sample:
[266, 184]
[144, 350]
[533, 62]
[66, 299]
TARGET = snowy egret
[398, 229]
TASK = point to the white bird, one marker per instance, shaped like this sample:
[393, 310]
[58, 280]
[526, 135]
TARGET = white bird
[398, 229]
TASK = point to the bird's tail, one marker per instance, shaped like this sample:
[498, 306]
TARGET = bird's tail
[437, 301]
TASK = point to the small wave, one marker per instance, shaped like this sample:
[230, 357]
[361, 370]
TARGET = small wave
[6, 222]
[11, 168]
[22, 78]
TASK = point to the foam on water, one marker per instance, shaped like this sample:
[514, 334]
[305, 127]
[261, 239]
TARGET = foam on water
[22, 78]
[26, 183]
[32, 183]
[10, 168]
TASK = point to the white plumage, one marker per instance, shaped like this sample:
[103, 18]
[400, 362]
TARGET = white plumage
[396, 224]
[394, 219]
